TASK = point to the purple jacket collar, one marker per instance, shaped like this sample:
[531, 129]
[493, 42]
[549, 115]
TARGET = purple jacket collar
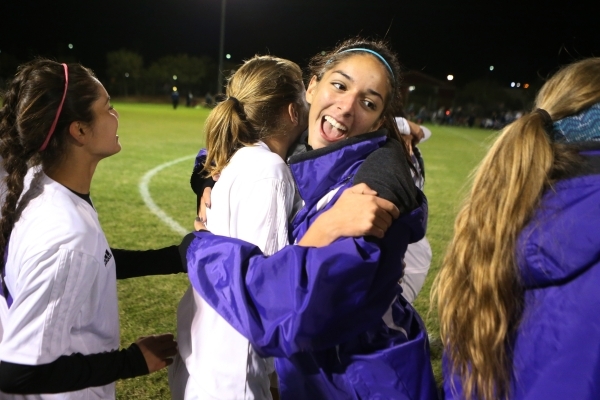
[318, 171]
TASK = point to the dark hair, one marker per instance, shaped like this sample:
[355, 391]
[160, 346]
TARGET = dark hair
[31, 102]
[256, 95]
[324, 61]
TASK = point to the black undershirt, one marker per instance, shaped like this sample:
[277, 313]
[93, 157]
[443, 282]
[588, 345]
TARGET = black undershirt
[74, 372]
[85, 197]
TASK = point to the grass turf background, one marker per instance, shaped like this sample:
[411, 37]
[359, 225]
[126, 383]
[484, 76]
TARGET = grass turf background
[154, 134]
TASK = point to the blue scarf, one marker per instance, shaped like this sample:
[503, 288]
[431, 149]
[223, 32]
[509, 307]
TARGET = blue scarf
[581, 127]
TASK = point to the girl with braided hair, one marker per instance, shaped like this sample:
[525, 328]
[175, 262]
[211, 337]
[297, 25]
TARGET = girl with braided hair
[60, 319]
[517, 294]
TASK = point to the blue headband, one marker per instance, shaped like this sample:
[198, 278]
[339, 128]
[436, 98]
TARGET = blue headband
[376, 54]
[581, 127]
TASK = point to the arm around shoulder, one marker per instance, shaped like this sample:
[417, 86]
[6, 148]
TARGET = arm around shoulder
[388, 172]
[298, 299]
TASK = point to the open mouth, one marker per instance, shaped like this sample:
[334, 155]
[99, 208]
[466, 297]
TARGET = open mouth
[332, 130]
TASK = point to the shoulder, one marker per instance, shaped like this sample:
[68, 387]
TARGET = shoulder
[257, 162]
[386, 170]
[55, 217]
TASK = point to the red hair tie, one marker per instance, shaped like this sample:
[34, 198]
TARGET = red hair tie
[59, 109]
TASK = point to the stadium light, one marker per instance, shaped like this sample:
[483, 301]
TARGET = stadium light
[512, 84]
[221, 44]
[70, 46]
[491, 67]
[450, 77]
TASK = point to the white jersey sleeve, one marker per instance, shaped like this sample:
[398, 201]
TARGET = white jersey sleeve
[50, 296]
[403, 126]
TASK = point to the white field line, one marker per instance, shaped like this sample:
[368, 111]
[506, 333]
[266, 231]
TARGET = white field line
[156, 210]
[459, 134]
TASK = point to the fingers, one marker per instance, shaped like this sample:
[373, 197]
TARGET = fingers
[205, 203]
[163, 346]
[199, 224]
[362, 188]
[419, 136]
[206, 197]
[416, 132]
[388, 207]
[157, 350]
[165, 337]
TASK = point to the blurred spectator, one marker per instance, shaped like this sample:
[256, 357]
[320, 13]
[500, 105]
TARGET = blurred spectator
[175, 97]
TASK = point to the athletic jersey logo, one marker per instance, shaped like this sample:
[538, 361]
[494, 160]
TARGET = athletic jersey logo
[107, 257]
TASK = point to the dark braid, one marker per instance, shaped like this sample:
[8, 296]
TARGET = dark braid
[14, 159]
[30, 106]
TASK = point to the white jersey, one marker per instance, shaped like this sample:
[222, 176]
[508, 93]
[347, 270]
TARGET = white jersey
[61, 276]
[252, 201]
[30, 173]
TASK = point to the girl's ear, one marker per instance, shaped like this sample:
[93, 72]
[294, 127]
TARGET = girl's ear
[293, 114]
[312, 86]
[77, 132]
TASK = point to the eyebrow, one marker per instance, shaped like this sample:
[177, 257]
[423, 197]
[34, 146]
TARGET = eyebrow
[370, 91]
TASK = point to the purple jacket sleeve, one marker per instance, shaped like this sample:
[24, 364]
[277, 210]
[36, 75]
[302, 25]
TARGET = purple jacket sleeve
[301, 298]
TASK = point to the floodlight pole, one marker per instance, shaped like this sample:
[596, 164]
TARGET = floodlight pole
[221, 50]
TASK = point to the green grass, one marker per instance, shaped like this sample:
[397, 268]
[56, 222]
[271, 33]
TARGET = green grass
[152, 135]
[450, 156]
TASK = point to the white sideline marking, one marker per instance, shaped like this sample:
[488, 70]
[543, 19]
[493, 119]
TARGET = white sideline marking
[145, 193]
[463, 136]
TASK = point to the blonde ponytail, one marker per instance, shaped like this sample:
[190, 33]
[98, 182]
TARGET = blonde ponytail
[478, 293]
[258, 92]
[227, 131]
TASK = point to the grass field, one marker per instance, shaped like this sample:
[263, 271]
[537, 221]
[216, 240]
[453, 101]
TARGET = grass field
[153, 135]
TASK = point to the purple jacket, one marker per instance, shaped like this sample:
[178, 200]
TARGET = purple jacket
[319, 310]
[557, 348]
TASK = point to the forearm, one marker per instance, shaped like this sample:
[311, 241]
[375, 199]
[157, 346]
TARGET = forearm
[135, 263]
[73, 372]
[298, 299]
[321, 233]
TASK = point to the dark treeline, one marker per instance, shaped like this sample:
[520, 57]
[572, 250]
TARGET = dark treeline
[126, 74]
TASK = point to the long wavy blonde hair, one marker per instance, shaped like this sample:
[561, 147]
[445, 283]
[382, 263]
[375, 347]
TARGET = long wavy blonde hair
[478, 292]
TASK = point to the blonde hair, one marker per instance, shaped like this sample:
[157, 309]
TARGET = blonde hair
[478, 292]
[257, 94]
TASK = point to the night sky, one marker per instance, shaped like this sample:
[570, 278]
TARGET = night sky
[522, 40]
